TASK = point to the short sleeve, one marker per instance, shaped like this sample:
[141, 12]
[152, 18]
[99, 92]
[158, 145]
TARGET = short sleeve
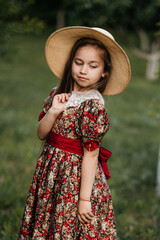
[47, 104]
[93, 123]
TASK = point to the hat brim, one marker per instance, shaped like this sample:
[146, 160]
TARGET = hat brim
[60, 43]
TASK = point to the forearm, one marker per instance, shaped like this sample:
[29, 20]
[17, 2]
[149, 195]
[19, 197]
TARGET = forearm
[88, 172]
[46, 124]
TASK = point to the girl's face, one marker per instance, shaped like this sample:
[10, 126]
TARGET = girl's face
[87, 67]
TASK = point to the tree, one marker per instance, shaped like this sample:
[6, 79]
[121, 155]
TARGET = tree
[14, 18]
[54, 13]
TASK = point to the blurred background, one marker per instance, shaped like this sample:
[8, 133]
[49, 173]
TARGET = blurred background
[134, 135]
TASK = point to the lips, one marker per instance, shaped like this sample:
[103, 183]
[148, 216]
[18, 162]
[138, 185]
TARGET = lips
[82, 78]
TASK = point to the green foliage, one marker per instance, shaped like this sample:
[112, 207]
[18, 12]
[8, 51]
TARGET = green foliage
[127, 14]
[133, 139]
[31, 16]
[14, 18]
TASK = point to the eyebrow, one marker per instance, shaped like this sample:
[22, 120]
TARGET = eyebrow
[82, 60]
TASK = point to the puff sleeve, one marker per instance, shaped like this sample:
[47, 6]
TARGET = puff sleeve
[47, 104]
[93, 123]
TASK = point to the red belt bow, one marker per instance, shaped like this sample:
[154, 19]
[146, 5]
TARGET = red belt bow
[75, 146]
[104, 155]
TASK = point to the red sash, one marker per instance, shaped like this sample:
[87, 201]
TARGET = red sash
[75, 146]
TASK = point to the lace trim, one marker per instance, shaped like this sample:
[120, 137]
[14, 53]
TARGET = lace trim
[78, 97]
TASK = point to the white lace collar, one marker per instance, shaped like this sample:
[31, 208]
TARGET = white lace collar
[78, 97]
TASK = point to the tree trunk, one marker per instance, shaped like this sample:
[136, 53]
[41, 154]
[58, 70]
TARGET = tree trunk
[61, 16]
[158, 176]
[144, 40]
[153, 63]
[152, 68]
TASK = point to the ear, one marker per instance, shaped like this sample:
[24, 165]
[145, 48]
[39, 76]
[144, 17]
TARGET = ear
[104, 74]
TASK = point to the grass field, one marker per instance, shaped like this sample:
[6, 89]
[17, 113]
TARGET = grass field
[134, 139]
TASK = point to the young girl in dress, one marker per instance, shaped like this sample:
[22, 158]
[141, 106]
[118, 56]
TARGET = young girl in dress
[69, 197]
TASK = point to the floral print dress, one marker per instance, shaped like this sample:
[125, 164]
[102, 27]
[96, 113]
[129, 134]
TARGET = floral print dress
[51, 206]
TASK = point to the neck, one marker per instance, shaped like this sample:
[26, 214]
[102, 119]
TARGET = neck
[77, 88]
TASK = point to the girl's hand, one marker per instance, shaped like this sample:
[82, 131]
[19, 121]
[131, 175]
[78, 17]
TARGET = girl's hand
[59, 101]
[85, 214]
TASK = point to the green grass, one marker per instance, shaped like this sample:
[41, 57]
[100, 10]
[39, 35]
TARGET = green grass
[133, 138]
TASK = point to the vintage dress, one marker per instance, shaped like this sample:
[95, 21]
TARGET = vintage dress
[51, 206]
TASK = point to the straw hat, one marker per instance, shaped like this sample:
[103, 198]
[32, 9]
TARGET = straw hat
[60, 43]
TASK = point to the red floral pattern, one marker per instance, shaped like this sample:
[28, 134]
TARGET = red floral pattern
[51, 206]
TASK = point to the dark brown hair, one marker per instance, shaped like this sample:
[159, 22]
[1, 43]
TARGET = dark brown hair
[66, 84]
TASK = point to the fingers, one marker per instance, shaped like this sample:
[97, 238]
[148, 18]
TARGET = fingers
[80, 219]
[63, 97]
[91, 214]
[85, 217]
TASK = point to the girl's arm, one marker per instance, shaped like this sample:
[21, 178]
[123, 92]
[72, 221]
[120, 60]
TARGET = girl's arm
[46, 123]
[88, 172]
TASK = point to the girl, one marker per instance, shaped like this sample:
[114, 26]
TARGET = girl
[69, 197]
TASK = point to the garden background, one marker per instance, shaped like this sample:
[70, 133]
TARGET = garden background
[134, 135]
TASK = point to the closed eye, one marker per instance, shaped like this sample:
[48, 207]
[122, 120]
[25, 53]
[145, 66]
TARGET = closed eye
[78, 62]
[93, 66]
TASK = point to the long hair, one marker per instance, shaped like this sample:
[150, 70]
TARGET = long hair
[67, 82]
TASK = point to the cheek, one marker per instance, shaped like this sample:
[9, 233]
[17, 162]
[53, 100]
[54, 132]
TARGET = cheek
[99, 74]
[73, 69]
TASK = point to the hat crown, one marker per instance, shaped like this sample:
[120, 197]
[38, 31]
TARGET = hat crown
[103, 32]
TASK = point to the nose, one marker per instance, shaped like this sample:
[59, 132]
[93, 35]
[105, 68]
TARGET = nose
[83, 69]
